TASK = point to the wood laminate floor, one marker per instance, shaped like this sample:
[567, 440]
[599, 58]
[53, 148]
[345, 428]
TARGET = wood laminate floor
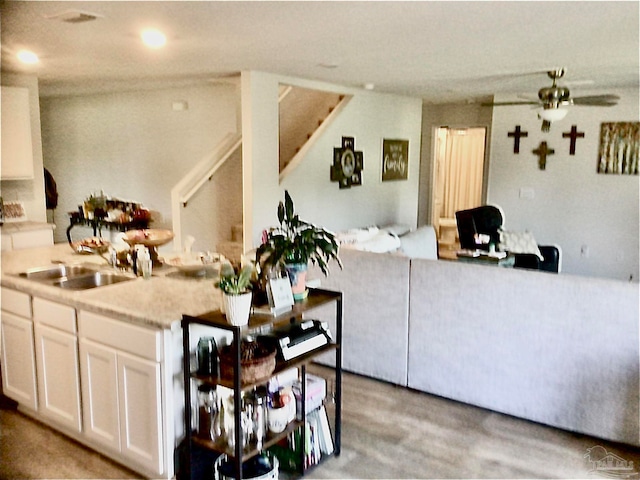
[387, 432]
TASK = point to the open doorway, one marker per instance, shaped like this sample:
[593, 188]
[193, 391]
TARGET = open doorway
[459, 173]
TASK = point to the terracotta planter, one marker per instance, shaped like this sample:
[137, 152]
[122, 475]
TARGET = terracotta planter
[237, 308]
[298, 277]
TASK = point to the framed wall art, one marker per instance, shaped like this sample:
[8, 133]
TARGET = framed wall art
[347, 164]
[619, 148]
[395, 159]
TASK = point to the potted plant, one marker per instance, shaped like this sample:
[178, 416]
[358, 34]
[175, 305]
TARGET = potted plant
[292, 245]
[236, 292]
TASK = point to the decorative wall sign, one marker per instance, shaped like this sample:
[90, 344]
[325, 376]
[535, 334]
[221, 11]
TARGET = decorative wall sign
[347, 164]
[542, 151]
[619, 148]
[573, 135]
[517, 134]
[395, 159]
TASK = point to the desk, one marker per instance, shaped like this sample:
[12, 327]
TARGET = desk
[485, 259]
[98, 224]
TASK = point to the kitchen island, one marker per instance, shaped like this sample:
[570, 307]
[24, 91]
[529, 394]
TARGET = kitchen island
[103, 365]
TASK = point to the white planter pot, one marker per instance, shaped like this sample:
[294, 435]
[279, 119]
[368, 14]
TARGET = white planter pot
[237, 308]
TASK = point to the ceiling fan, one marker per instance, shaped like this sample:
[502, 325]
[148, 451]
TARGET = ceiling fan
[554, 99]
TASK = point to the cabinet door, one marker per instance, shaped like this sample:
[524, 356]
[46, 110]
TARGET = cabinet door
[58, 379]
[18, 360]
[16, 143]
[98, 371]
[140, 403]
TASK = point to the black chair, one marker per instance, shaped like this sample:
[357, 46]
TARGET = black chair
[484, 220]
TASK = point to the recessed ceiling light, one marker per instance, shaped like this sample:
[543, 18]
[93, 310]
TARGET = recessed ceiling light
[369, 86]
[153, 38]
[328, 65]
[28, 57]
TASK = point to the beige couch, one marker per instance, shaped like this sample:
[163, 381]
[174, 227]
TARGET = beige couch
[556, 349]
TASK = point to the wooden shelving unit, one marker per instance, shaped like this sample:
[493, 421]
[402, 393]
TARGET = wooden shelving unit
[259, 324]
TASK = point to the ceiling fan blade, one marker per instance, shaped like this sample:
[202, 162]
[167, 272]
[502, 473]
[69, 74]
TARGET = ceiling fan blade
[597, 100]
[506, 104]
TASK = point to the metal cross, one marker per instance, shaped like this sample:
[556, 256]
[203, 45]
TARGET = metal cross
[517, 134]
[573, 135]
[542, 151]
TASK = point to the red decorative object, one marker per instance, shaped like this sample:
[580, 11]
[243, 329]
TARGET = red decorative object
[517, 134]
[574, 134]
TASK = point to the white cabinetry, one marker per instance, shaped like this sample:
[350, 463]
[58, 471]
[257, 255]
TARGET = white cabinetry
[57, 363]
[18, 357]
[120, 367]
[17, 147]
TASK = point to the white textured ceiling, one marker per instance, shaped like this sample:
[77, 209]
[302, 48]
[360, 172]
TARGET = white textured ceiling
[447, 51]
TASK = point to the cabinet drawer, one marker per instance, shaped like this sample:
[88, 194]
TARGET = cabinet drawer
[62, 317]
[16, 302]
[140, 341]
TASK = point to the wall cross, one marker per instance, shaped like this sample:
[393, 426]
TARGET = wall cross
[573, 135]
[517, 134]
[542, 151]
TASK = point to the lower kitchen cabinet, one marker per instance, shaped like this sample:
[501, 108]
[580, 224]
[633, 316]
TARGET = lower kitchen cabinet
[18, 360]
[18, 355]
[122, 390]
[56, 348]
[100, 394]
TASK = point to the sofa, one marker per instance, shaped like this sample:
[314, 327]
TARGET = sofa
[561, 350]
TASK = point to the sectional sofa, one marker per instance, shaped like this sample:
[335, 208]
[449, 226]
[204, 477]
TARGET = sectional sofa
[561, 350]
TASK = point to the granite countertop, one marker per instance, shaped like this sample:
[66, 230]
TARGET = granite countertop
[158, 302]
[13, 227]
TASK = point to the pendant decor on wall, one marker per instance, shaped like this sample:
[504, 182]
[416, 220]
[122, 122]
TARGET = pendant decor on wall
[574, 134]
[619, 148]
[395, 159]
[517, 134]
[542, 151]
[347, 164]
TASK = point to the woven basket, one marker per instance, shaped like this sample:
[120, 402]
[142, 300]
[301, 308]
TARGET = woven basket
[252, 370]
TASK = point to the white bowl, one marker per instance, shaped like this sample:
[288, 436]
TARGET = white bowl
[193, 262]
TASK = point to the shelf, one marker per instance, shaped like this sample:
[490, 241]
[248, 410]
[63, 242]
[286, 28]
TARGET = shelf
[261, 324]
[280, 367]
[221, 446]
[316, 298]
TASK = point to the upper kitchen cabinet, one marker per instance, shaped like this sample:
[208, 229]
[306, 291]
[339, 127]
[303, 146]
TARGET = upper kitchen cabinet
[17, 149]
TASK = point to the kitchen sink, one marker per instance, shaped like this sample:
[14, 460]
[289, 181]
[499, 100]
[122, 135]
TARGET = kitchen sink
[96, 279]
[55, 272]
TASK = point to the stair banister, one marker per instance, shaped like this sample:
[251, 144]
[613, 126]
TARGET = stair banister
[203, 171]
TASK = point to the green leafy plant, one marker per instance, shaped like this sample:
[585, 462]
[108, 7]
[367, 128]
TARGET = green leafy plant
[235, 281]
[296, 241]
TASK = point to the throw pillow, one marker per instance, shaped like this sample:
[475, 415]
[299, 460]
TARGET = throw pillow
[420, 243]
[518, 242]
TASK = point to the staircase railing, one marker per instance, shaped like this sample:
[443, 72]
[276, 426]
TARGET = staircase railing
[296, 160]
[202, 172]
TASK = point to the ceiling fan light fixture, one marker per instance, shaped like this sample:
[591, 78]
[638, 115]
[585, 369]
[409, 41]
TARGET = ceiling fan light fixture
[552, 114]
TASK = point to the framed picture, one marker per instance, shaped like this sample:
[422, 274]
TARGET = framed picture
[395, 159]
[619, 148]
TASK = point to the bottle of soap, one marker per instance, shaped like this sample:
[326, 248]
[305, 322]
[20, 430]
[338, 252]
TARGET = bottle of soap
[144, 263]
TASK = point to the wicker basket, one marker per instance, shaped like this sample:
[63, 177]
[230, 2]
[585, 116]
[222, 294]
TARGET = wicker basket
[252, 370]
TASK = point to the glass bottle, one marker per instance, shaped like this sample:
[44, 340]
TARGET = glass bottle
[206, 410]
[207, 356]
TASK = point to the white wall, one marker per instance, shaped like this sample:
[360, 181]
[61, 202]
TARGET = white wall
[134, 146]
[369, 117]
[30, 192]
[573, 205]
